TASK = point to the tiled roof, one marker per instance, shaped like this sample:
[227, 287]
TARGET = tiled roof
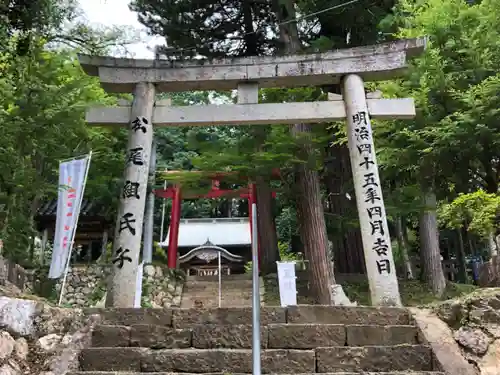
[89, 208]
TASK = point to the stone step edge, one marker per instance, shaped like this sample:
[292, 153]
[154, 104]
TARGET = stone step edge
[221, 373]
[184, 317]
[265, 325]
[269, 325]
[249, 350]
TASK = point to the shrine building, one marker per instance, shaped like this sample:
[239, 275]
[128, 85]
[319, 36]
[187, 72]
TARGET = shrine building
[200, 241]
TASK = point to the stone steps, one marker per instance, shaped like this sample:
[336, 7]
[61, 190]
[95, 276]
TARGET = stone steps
[295, 340]
[330, 359]
[215, 291]
[273, 336]
[223, 373]
[237, 293]
[214, 286]
[210, 302]
[233, 276]
[201, 281]
[304, 314]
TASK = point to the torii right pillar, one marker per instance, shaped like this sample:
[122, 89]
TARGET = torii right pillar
[377, 250]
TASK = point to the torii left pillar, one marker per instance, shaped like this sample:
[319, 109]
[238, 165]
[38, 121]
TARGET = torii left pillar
[128, 231]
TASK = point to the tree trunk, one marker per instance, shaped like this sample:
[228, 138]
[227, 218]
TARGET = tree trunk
[404, 247]
[472, 248]
[429, 244]
[309, 200]
[312, 228]
[348, 247]
[268, 239]
[492, 246]
[461, 262]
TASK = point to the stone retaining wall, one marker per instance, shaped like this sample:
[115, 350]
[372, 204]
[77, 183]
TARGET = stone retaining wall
[38, 339]
[86, 286]
[164, 286]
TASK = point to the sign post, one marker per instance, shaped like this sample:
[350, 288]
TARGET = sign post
[219, 269]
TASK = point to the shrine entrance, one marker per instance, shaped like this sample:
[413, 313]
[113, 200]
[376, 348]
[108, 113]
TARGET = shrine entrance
[347, 68]
[200, 241]
[225, 232]
[209, 260]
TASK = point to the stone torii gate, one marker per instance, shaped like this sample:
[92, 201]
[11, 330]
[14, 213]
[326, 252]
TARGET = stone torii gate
[348, 67]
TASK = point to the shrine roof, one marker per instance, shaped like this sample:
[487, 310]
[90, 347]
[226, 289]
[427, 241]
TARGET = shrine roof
[89, 208]
[219, 231]
[375, 62]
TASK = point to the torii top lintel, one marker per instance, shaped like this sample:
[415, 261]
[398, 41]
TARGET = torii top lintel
[375, 62]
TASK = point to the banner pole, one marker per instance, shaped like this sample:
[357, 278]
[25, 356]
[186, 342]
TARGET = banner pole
[66, 268]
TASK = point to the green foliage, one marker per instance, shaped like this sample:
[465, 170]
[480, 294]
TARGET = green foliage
[286, 225]
[98, 292]
[452, 146]
[455, 73]
[44, 102]
[146, 293]
[159, 254]
[479, 210]
[285, 255]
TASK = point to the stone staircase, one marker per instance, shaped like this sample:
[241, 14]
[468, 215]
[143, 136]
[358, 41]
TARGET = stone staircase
[295, 340]
[203, 291]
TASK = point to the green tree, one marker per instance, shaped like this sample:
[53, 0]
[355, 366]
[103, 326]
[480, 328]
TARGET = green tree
[45, 96]
[449, 144]
[477, 211]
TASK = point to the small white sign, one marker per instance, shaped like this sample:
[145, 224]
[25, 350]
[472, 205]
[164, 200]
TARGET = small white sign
[287, 283]
[138, 286]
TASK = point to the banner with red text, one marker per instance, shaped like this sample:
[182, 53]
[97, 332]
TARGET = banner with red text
[72, 176]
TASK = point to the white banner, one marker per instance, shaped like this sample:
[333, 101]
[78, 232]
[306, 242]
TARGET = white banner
[72, 176]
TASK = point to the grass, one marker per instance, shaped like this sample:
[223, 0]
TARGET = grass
[413, 293]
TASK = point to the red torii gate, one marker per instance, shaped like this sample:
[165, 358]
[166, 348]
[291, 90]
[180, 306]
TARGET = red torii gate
[177, 196]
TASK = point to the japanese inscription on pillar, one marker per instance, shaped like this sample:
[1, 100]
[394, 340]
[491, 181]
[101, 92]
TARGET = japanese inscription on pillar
[132, 189]
[370, 203]
[128, 230]
[371, 190]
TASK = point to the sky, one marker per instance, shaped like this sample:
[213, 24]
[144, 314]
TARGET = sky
[116, 12]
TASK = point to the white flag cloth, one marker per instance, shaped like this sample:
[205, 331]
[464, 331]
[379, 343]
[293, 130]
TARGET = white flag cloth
[72, 175]
[138, 286]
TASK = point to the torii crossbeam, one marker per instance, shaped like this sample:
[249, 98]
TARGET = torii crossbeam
[348, 67]
[252, 114]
